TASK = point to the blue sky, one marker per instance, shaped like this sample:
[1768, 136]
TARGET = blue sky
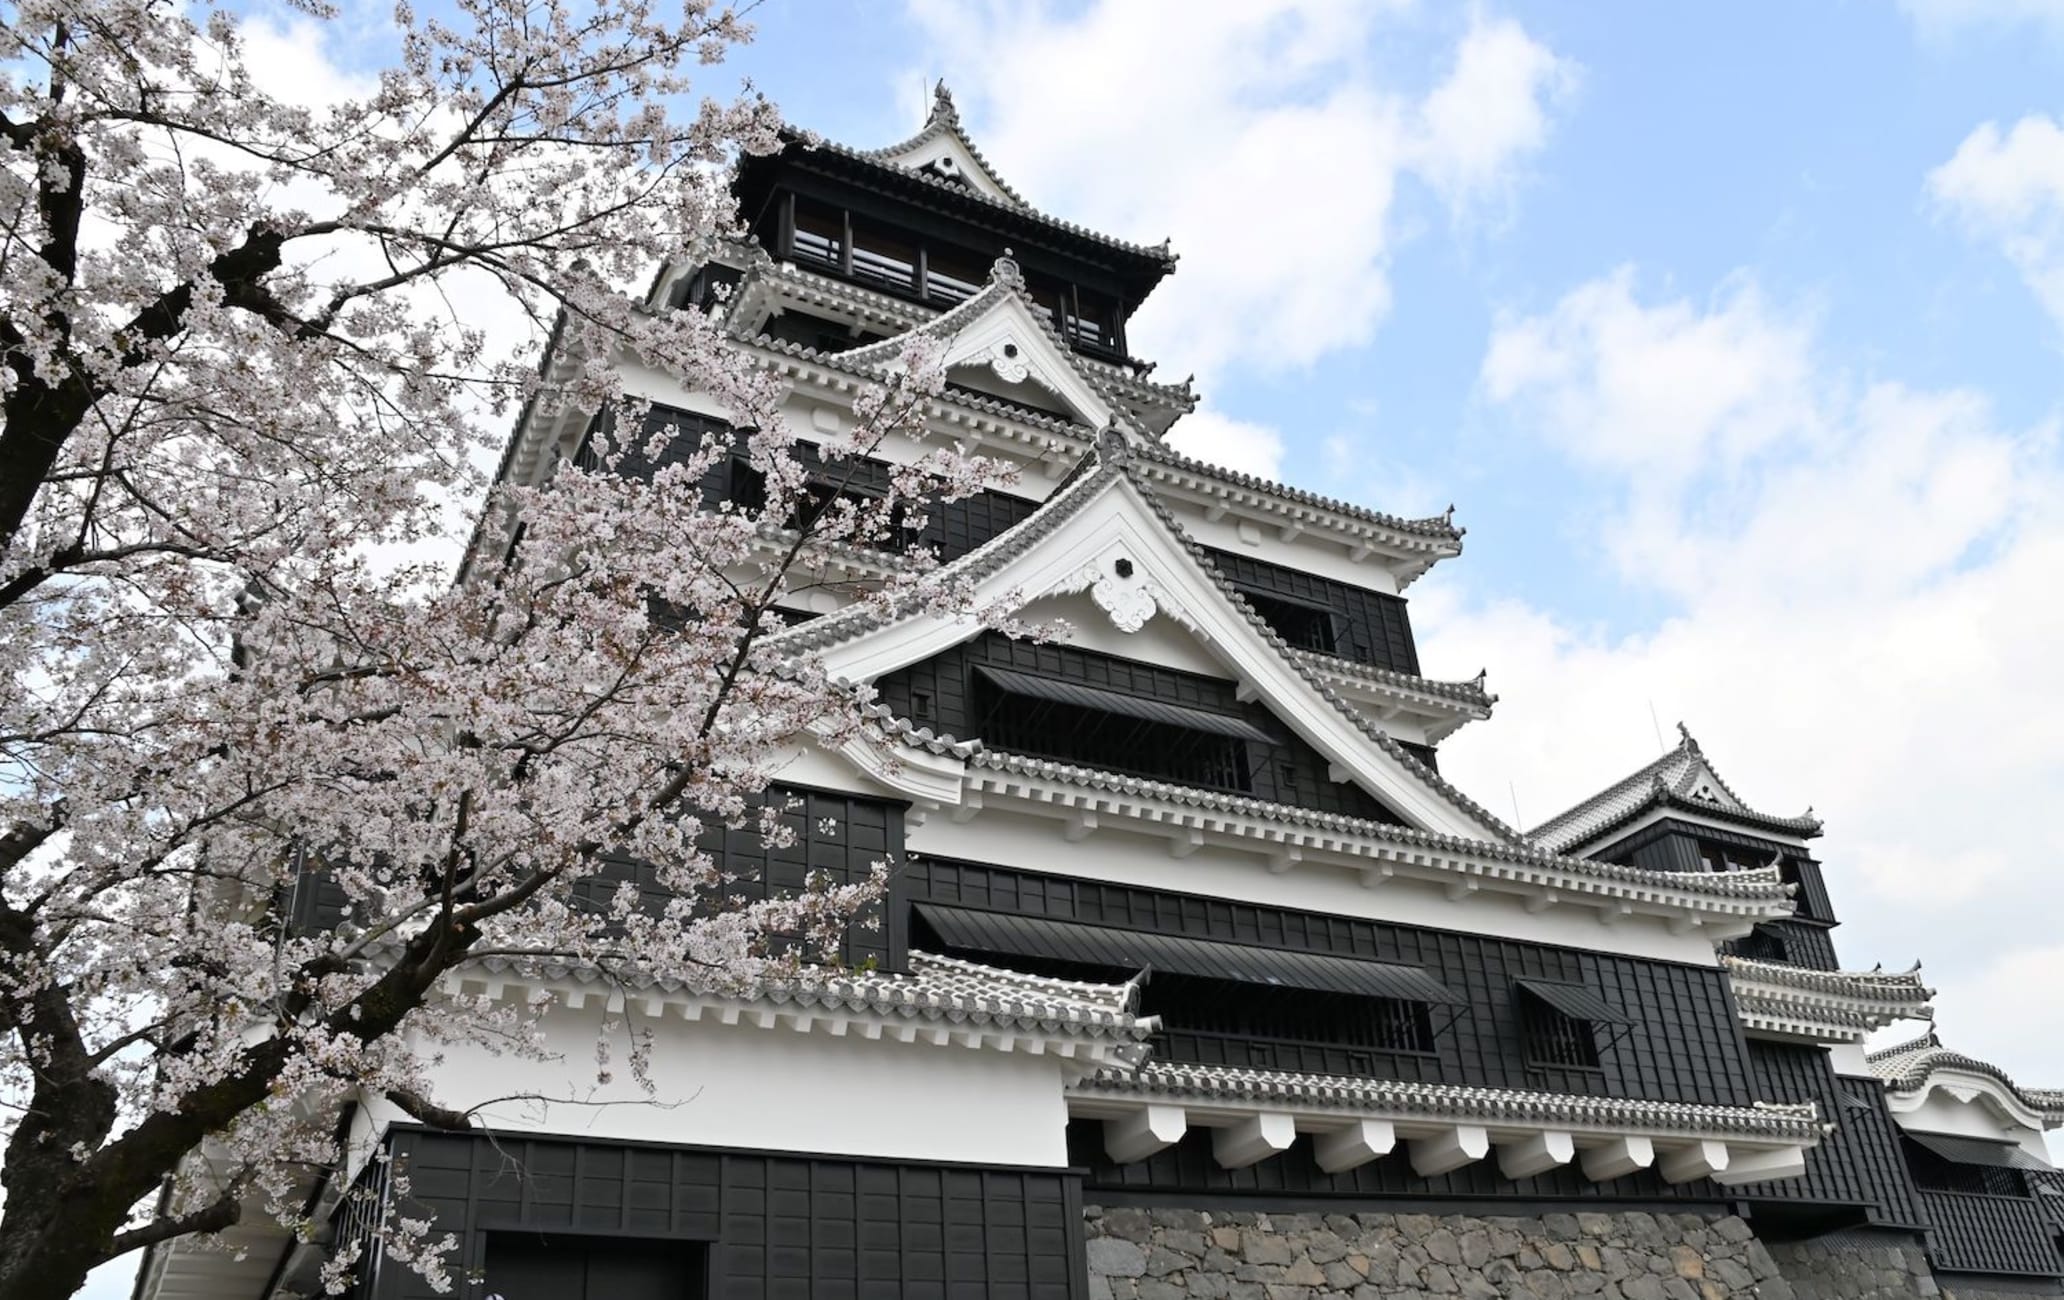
[1732, 331]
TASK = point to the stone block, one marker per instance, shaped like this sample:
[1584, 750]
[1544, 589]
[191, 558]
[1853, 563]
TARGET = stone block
[1595, 1225]
[1775, 1288]
[1734, 1228]
[1730, 1274]
[1341, 1275]
[1161, 1261]
[1476, 1248]
[1558, 1256]
[1226, 1239]
[1188, 1242]
[1325, 1246]
[1676, 1288]
[1562, 1227]
[1262, 1247]
[1438, 1280]
[1210, 1286]
[1645, 1286]
[1760, 1263]
[1116, 1257]
[1131, 1224]
[1193, 1220]
[1442, 1247]
[1687, 1262]
[1586, 1283]
[1162, 1289]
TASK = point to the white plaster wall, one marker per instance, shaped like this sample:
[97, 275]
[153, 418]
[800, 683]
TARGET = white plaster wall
[1035, 844]
[775, 1089]
[1944, 1112]
[1848, 1058]
[1162, 641]
[1312, 552]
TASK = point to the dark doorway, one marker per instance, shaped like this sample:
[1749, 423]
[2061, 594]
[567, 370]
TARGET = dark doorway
[529, 1266]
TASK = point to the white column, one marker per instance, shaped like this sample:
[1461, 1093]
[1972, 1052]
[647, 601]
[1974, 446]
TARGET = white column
[1142, 1133]
[1253, 1140]
[1450, 1149]
[1617, 1158]
[1756, 1166]
[1701, 1159]
[1535, 1155]
[1357, 1144]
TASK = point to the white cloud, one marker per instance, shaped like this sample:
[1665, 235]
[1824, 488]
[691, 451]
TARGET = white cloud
[1251, 135]
[1941, 19]
[1236, 444]
[2009, 188]
[1492, 110]
[1859, 593]
[1659, 392]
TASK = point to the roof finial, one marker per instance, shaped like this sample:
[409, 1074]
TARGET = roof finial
[1688, 743]
[942, 104]
[1004, 270]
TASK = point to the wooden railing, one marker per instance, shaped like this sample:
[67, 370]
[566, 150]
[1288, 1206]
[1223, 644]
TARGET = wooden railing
[1970, 1232]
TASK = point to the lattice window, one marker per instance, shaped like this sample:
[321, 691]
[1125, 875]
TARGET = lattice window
[1555, 1039]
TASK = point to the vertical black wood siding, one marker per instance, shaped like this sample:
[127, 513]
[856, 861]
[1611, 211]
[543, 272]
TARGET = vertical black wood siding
[1684, 1043]
[1859, 1163]
[777, 1227]
[939, 693]
[1371, 627]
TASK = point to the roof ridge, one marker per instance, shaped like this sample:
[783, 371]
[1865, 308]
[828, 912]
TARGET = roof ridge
[1441, 525]
[1664, 787]
[1761, 883]
[1284, 651]
[944, 119]
[1801, 1120]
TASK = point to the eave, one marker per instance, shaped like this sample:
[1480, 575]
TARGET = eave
[1256, 1114]
[1442, 707]
[1287, 838]
[1793, 1002]
[1407, 547]
[1912, 1070]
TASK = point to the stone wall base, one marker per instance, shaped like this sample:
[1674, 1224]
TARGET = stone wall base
[1883, 1266]
[1167, 1254]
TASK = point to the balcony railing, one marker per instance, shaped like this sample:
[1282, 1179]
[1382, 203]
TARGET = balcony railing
[1974, 1233]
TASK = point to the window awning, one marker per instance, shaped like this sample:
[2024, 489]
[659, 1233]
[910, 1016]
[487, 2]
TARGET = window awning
[1978, 1151]
[1007, 935]
[1577, 1001]
[1130, 706]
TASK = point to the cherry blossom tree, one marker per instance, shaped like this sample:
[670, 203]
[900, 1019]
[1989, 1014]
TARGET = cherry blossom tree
[250, 399]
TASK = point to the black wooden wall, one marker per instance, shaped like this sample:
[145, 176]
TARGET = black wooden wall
[951, 528]
[1859, 1163]
[1684, 1044]
[776, 1227]
[1374, 627]
[939, 693]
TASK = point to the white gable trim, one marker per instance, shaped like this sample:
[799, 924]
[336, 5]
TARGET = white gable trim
[953, 158]
[1009, 340]
[1084, 553]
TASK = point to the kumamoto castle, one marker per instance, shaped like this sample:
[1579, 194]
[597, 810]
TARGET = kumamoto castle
[1195, 978]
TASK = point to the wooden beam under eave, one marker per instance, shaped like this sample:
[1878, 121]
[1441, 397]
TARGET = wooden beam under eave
[1617, 1158]
[1535, 1155]
[1142, 1133]
[1451, 1148]
[1360, 1142]
[1702, 1159]
[1253, 1140]
[1760, 1166]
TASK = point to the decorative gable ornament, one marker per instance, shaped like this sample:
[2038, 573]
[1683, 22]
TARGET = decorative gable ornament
[1126, 597]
